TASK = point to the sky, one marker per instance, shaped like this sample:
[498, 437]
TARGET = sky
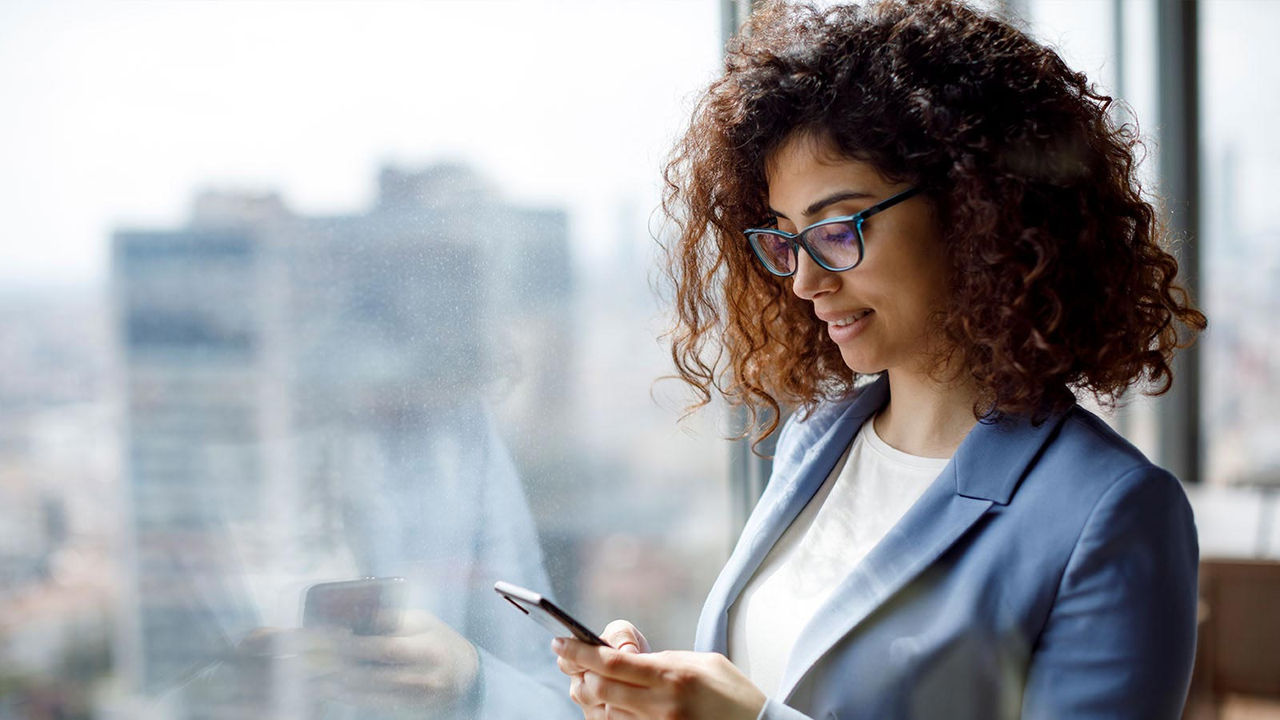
[120, 109]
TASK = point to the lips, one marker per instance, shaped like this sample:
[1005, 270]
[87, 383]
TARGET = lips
[843, 327]
[850, 318]
[842, 317]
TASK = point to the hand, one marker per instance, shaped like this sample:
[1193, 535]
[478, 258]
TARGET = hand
[424, 664]
[619, 634]
[629, 683]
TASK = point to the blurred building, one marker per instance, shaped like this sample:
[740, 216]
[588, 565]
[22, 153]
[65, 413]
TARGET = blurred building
[256, 343]
[193, 345]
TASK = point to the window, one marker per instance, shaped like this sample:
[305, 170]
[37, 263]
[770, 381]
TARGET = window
[317, 291]
[1115, 43]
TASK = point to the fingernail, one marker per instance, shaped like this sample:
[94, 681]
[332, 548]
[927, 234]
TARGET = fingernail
[557, 644]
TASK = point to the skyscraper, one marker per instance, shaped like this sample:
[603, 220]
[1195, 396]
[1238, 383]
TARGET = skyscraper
[265, 352]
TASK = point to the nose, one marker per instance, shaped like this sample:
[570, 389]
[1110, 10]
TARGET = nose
[811, 280]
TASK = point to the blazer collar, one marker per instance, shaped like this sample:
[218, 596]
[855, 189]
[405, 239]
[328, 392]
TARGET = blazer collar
[989, 463]
[994, 456]
[798, 472]
[986, 469]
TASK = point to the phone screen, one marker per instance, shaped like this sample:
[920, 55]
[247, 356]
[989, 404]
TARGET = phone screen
[368, 606]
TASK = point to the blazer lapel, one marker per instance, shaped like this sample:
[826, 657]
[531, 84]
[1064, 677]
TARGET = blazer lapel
[985, 470]
[791, 487]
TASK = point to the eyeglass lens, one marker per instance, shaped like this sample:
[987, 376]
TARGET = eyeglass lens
[836, 246]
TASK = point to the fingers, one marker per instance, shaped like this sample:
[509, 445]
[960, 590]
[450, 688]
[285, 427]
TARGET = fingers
[413, 622]
[568, 667]
[380, 650]
[617, 695]
[625, 636]
[607, 682]
[629, 667]
[433, 648]
[620, 634]
[390, 686]
[585, 690]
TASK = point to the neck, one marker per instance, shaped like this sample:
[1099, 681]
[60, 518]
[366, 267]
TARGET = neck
[924, 416]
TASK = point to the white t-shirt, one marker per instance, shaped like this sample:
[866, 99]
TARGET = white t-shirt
[867, 492]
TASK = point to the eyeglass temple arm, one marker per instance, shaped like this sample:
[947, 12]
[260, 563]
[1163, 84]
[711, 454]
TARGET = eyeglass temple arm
[889, 202]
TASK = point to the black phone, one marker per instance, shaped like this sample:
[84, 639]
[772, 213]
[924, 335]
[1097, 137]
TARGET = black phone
[546, 613]
[367, 606]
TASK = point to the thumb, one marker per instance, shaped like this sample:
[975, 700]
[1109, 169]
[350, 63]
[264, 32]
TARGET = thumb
[625, 637]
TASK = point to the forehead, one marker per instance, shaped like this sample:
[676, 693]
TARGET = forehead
[805, 168]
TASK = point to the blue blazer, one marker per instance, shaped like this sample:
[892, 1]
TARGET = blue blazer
[1049, 572]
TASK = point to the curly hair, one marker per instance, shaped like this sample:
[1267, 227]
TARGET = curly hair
[1057, 278]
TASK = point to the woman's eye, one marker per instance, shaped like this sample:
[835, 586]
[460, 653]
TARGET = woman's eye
[838, 234]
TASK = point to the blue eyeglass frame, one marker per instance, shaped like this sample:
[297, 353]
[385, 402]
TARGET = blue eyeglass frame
[799, 240]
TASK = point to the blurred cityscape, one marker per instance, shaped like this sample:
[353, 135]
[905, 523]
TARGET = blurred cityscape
[1242, 348]
[182, 452]
[175, 449]
[178, 449]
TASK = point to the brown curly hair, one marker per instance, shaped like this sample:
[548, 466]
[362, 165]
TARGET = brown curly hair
[1057, 277]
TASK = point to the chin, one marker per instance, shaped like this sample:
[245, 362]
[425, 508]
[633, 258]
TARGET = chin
[861, 364]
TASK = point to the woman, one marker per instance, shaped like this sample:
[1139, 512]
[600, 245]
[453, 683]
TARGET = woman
[949, 242]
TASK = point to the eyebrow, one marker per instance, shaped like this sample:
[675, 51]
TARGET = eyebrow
[827, 201]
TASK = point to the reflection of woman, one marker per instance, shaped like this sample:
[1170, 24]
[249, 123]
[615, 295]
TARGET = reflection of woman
[444, 508]
[953, 241]
[434, 498]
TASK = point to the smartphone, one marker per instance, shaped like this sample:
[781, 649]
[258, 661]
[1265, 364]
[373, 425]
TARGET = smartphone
[367, 606]
[546, 613]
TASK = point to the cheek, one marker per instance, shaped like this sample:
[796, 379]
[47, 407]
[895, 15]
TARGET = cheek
[905, 303]
[896, 287]
[930, 275]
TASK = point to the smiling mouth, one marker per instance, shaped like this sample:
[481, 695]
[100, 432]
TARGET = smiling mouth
[850, 319]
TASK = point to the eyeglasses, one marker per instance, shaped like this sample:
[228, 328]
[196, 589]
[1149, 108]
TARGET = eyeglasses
[835, 244]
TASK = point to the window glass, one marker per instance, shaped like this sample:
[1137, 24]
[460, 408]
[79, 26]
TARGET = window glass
[306, 292]
[1241, 157]
[1238, 156]
[1240, 165]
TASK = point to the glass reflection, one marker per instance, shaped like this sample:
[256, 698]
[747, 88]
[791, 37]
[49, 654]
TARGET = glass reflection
[306, 403]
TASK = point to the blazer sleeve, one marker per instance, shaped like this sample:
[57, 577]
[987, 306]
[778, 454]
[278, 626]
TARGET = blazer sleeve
[1120, 637]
